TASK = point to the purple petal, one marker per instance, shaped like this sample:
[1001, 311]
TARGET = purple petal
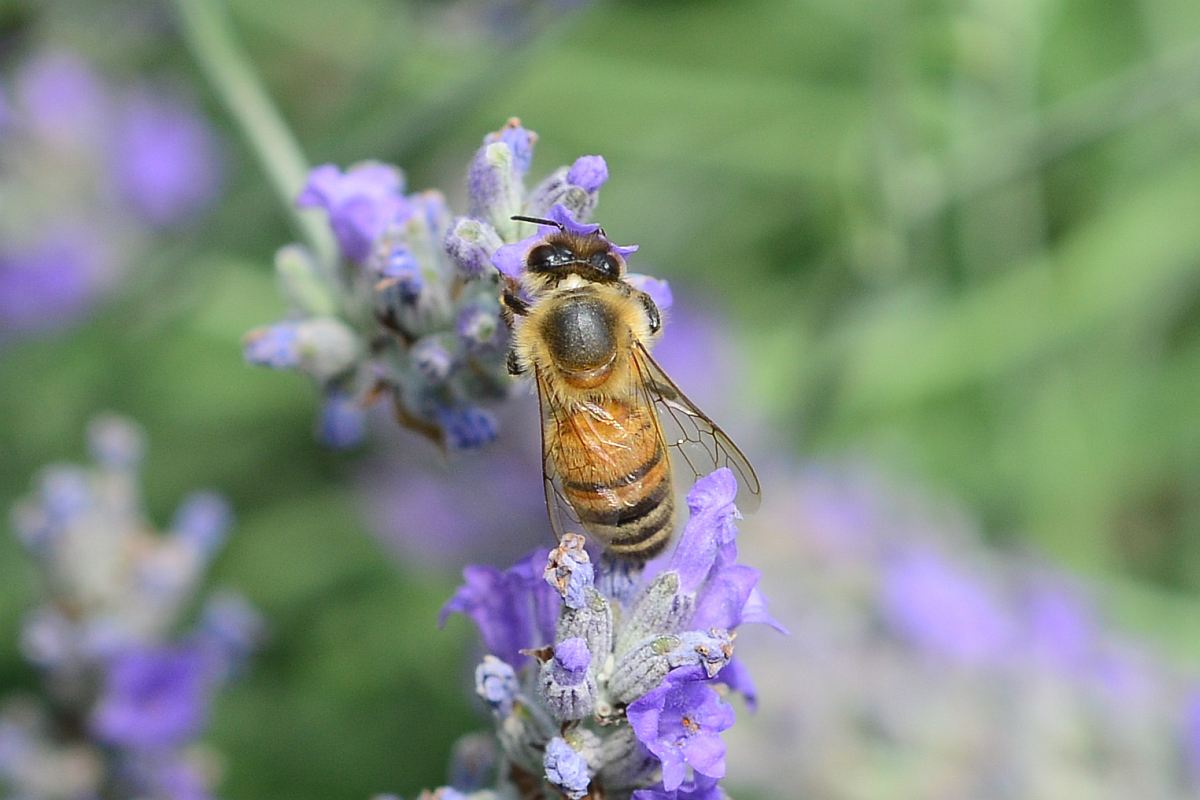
[706, 753]
[737, 677]
[723, 596]
[361, 203]
[573, 655]
[659, 290]
[755, 611]
[510, 258]
[709, 529]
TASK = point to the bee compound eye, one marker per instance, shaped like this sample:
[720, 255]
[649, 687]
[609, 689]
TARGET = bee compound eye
[607, 263]
[546, 257]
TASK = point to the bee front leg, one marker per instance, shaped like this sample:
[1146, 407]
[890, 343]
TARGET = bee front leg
[511, 304]
[653, 315]
[514, 364]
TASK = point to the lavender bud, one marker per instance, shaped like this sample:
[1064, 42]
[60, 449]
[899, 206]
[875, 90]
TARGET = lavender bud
[568, 689]
[588, 173]
[627, 763]
[399, 272]
[497, 684]
[711, 650]
[276, 346]
[202, 521]
[566, 769]
[592, 622]
[659, 609]
[328, 347]
[642, 668]
[470, 244]
[466, 427]
[569, 570]
[473, 762]
[115, 442]
[433, 356]
[556, 190]
[65, 493]
[495, 180]
[342, 423]
[478, 325]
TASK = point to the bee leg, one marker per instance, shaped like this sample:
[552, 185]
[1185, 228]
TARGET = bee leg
[653, 315]
[513, 364]
[510, 301]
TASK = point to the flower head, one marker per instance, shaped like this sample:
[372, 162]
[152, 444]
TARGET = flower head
[651, 648]
[417, 301]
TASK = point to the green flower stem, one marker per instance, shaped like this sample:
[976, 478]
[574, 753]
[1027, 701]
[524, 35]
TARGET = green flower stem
[209, 34]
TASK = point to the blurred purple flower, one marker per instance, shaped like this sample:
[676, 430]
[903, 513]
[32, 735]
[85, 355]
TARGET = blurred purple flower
[342, 423]
[943, 608]
[166, 161]
[1062, 628]
[51, 281]
[153, 698]
[59, 96]
[681, 722]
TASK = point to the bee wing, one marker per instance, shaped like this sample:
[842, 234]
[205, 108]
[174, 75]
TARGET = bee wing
[560, 511]
[695, 440]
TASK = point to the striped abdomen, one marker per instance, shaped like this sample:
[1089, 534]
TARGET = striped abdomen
[616, 474]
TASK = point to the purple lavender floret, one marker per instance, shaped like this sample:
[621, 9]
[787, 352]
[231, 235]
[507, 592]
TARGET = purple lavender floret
[514, 609]
[153, 698]
[624, 680]
[681, 722]
[361, 203]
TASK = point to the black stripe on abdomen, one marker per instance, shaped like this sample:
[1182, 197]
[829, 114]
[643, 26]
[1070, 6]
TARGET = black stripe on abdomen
[617, 483]
[620, 517]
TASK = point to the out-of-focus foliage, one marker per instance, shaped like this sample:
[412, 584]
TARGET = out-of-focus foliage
[959, 238]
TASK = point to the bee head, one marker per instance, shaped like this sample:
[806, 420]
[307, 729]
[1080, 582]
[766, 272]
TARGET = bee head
[590, 255]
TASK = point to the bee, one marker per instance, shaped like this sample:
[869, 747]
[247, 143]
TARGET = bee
[614, 425]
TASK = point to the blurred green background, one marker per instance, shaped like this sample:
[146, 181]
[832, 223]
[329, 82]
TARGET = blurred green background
[959, 239]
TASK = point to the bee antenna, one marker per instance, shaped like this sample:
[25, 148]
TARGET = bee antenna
[539, 221]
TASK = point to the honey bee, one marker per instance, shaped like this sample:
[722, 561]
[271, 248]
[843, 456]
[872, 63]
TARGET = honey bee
[614, 425]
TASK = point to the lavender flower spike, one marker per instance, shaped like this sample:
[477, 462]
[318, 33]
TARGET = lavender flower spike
[620, 699]
[137, 692]
[413, 314]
